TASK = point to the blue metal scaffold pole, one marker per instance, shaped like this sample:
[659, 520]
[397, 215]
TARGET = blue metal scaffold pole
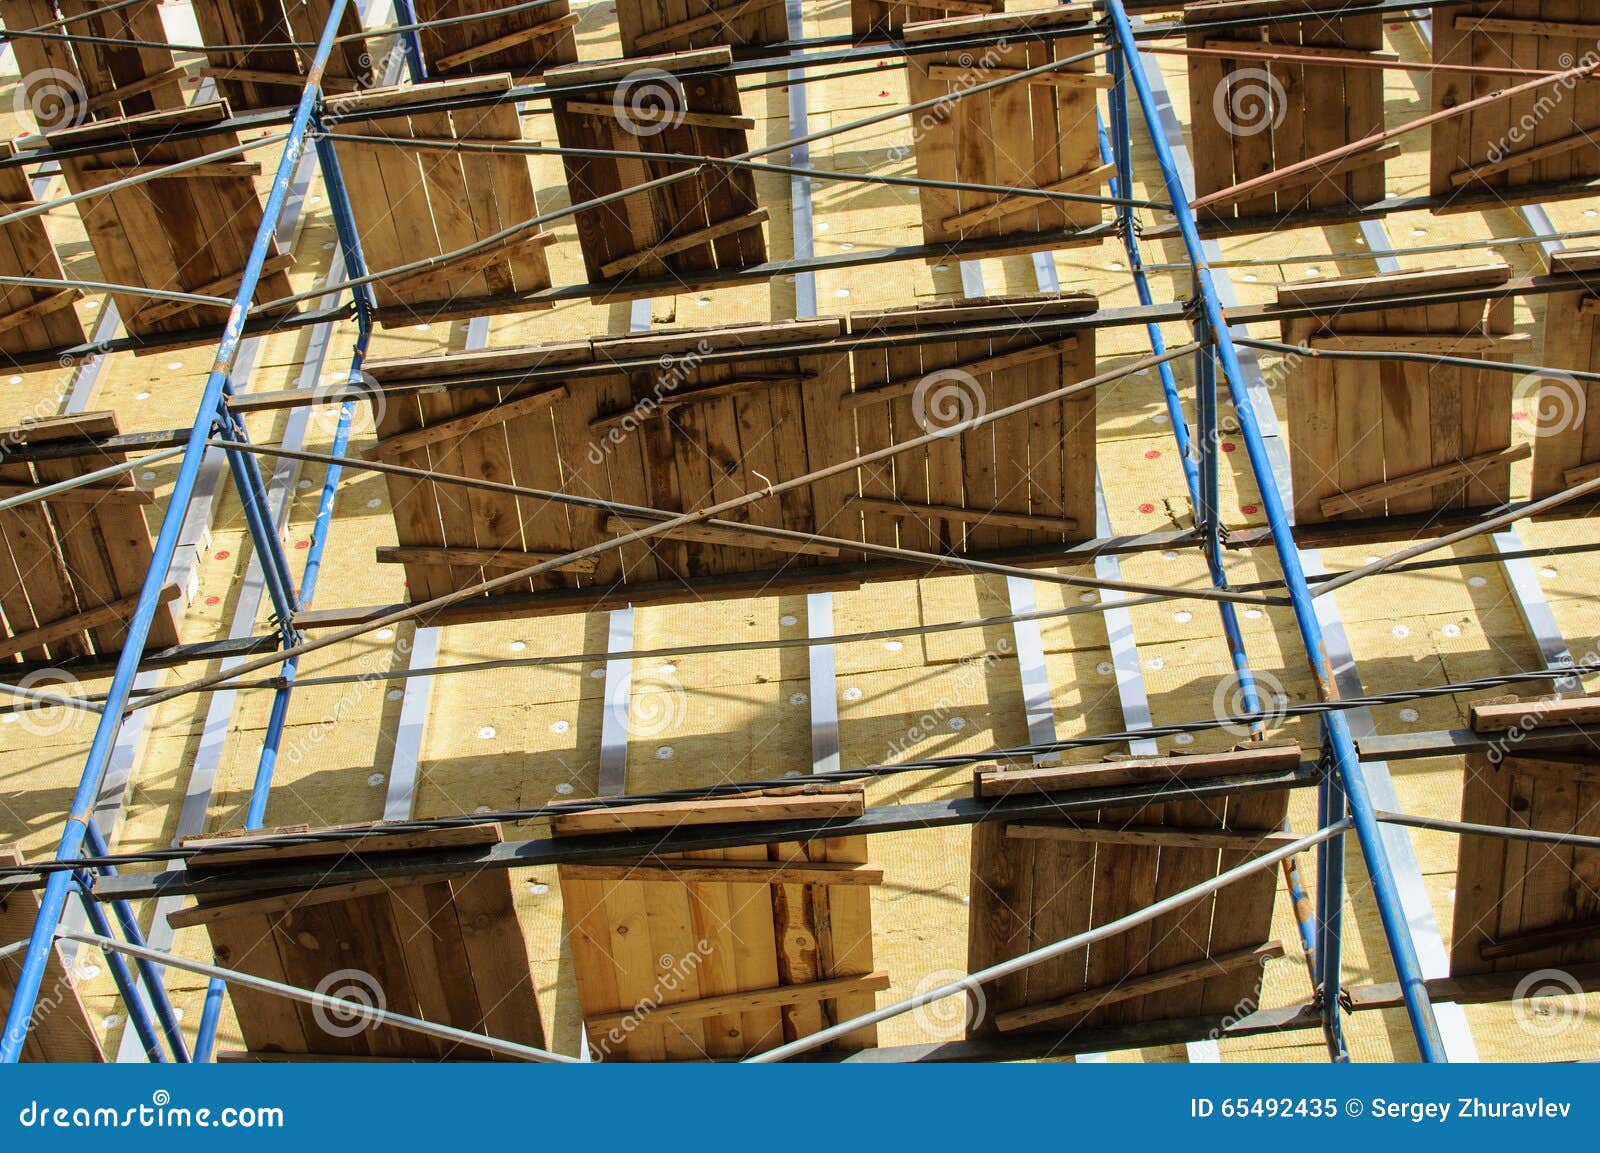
[210, 413]
[1339, 747]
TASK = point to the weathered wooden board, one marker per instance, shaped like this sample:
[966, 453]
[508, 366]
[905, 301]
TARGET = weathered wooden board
[1519, 905]
[413, 203]
[60, 1029]
[270, 76]
[1375, 438]
[72, 565]
[1251, 116]
[691, 432]
[1565, 412]
[1031, 134]
[876, 19]
[675, 963]
[1026, 479]
[648, 27]
[450, 951]
[706, 222]
[177, 232]
[68, 83]
[31, 316]
[523, 43]
[1037, 882]
[1514, 147]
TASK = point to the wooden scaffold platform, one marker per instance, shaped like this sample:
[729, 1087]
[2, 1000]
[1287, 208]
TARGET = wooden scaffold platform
[1040, 880]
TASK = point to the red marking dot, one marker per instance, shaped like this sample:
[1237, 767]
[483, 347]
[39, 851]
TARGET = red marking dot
[1147, 508]
[1153, 454]
[1248, 509]
[223, 554]
[882, 94]
[1522, 416]
[302, 544]
[1228, 446]
[213, 601]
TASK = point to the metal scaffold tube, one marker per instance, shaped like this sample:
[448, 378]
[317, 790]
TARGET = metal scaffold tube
[208, 413]
[1338, 741]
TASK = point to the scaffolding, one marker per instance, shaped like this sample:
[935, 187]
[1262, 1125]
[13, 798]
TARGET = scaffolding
[1096, 58]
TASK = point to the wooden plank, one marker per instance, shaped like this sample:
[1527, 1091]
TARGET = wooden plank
[743, 383]
[1469, 22]
[267, 1023]
[1424, 479]
[679, 814]
[1264, 840]
[212, 852]
[211, 912]
[1136, 770]
[1443, 344]
[753, 538]
[729, 1003]
[974, 75]
[606, 72]
[990, 363]
[1480, 862]
[28, 313]
[498, 957]
[464, 424]
[843, 919]
[684, 242]
[664, 117]
[521, 36]
[1021, 202]
[450, 47]
[666, 869]
[86, 620]
[1364, 289]
[506, 559]
[1525, 715]
[1020, 520]
[746, 22]
[748, 932]
[1539, 940]
[224, 285]
[1140, 986]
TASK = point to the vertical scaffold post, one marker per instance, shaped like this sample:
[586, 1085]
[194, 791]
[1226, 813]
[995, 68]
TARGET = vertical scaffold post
[54, 898]
[1339, 745]
[406, 14]
[277, 719]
